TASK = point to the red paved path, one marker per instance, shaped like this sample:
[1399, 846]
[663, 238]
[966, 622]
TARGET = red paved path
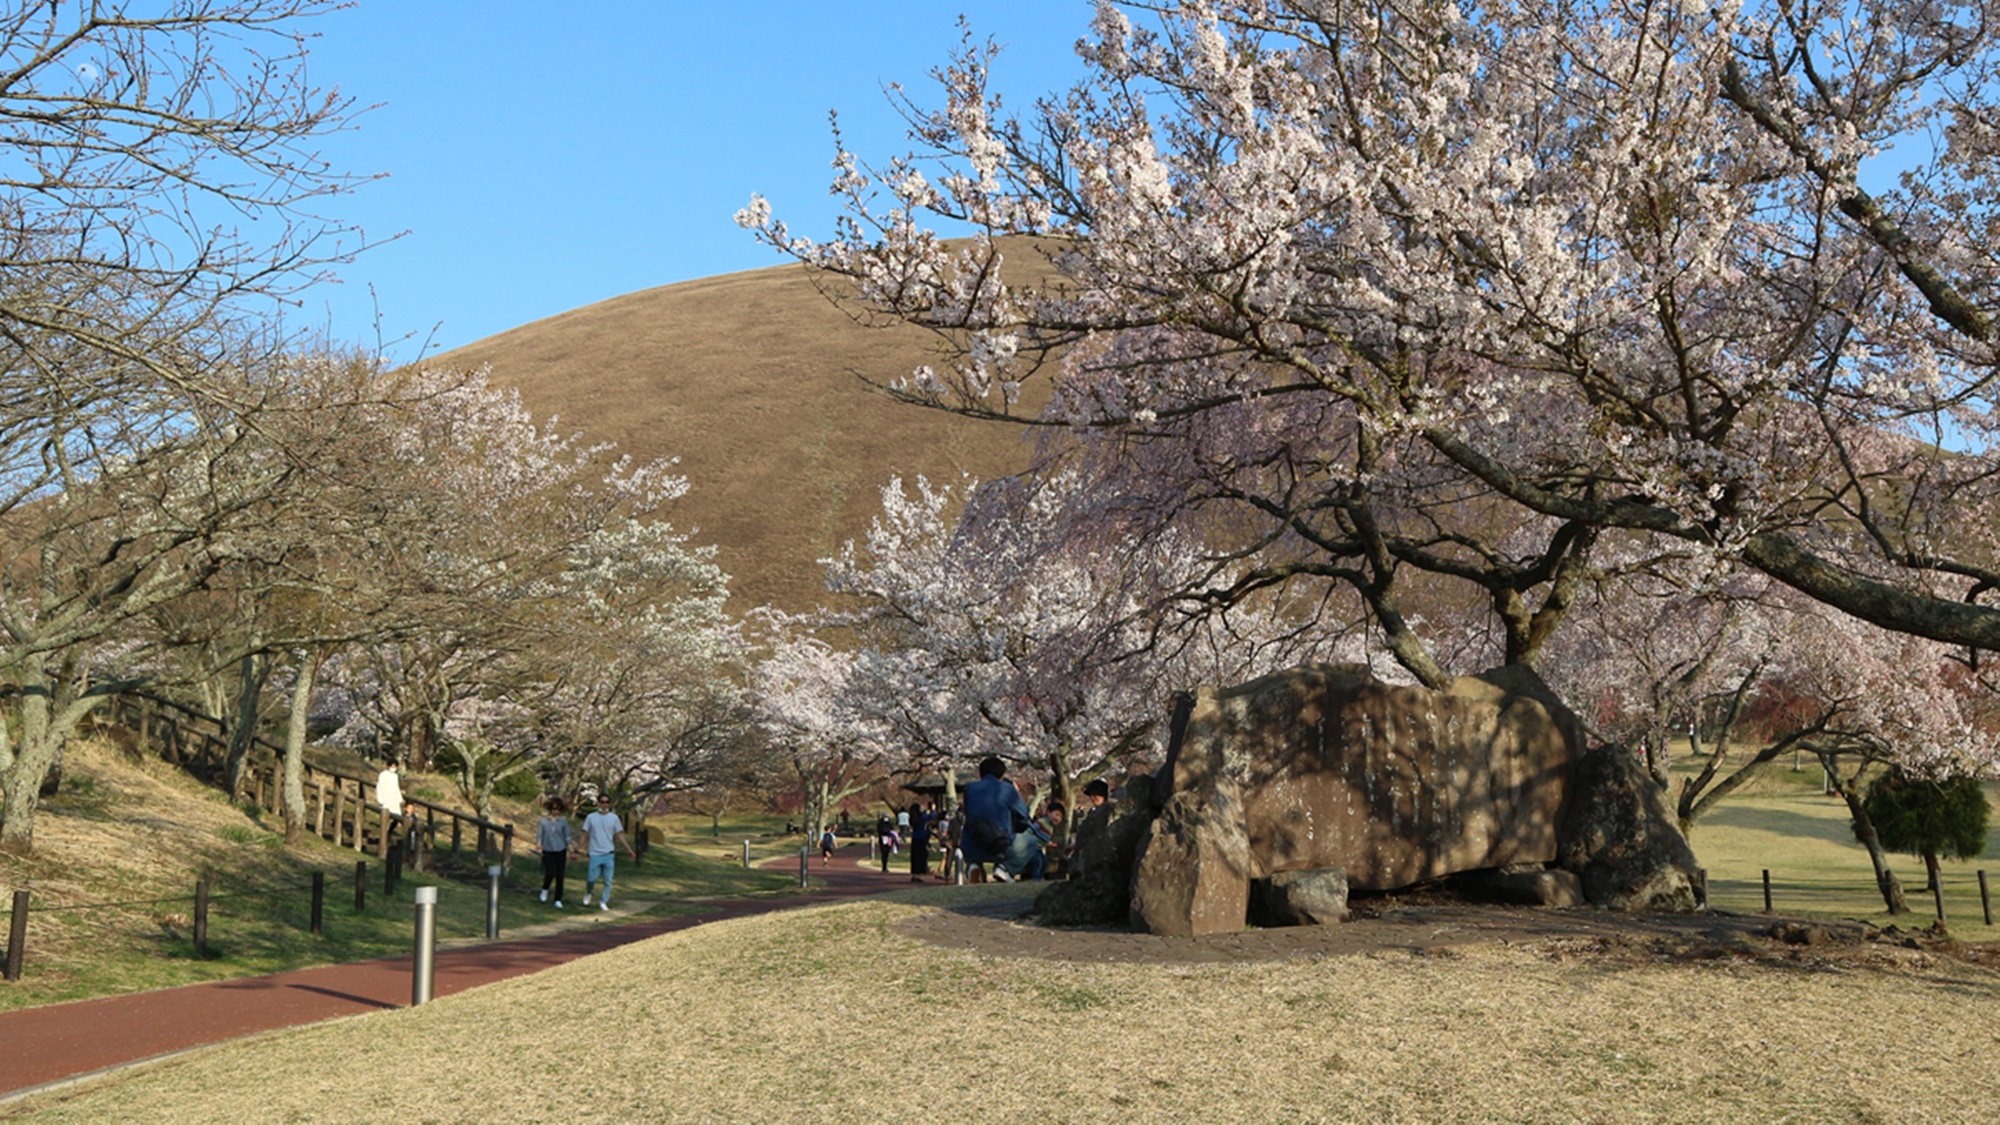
[59, 1041]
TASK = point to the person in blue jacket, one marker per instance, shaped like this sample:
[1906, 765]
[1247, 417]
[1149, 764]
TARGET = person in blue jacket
[998, 825]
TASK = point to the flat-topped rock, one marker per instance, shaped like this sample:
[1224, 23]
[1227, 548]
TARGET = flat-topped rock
[1325, 766]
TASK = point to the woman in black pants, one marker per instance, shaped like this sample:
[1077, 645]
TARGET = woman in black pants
[556, 840]
[920, 843]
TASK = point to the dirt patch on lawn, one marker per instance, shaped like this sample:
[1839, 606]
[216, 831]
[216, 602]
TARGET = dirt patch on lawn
[1006, 928]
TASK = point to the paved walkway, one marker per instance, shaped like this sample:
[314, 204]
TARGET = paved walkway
[58, 1042]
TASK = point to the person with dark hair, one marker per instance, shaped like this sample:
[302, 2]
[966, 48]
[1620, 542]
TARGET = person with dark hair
[920, 842]
[1096, 794]
[997, 826]
[553, 832]
[604, 832]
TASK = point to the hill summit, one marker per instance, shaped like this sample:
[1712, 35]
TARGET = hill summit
[755, 381]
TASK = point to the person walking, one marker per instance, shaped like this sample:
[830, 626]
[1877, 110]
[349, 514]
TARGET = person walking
[557, 841]
[602, 833]
[920, 843]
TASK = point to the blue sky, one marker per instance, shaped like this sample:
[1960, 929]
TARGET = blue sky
[543, 156]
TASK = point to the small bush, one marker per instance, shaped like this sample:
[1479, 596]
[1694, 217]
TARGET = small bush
[523, 786]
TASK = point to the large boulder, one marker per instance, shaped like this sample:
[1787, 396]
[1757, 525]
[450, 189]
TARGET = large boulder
[1325, 766]
[1621, 841]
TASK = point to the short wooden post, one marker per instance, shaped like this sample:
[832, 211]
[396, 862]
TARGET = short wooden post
[1985, 900]
[382, 844]
[17, 936]
[339, 810]
[318, 923]
[360, 817]
[1767, 890]
[360, 884]
[201, 917]
[456, 824]
[507, 850]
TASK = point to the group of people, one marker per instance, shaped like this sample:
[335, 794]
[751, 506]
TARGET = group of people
[603, 833]
[992, 827]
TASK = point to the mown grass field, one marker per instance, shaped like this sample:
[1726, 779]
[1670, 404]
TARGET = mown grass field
[1782, 823]
[833, 1014]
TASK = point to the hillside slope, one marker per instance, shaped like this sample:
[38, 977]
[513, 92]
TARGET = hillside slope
[755, 381]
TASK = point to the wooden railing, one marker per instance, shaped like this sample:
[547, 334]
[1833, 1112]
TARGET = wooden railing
[341, 805]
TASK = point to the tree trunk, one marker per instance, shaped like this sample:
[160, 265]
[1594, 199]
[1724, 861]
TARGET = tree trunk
[253, 670]
[293, 790]
[50, 709]
[1864, 831]
[1931, 869]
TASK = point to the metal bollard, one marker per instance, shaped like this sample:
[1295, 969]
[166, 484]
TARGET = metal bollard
[423, 956]
[746, 855]
[492, 902]
[805, 864]
[958, 866]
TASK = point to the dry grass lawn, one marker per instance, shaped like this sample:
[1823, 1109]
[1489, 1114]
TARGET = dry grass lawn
[832, 1015]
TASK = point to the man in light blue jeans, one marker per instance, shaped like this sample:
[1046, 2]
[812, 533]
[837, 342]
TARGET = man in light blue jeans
[602, 833]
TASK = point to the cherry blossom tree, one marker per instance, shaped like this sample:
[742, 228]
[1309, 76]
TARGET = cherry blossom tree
[804, 688]
[1566, 267]
[1023, 619]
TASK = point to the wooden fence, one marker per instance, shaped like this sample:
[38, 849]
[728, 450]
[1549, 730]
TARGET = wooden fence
[341, 806]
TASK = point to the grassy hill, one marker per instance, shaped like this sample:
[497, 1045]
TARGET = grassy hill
[756, 382]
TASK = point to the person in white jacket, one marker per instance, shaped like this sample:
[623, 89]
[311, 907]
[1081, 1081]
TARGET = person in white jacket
[389, 789]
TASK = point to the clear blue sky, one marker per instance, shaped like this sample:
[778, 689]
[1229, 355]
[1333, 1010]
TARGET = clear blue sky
[543, 155]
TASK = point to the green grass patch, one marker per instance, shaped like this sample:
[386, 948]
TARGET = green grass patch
[1782, 822]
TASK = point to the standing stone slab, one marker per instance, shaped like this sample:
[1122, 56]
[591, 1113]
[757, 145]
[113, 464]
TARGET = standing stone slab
[1622, 842]
[1324, 766]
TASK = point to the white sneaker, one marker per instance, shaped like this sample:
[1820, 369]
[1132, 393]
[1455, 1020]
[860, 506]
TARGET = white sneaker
[558, 904]
[586, 898]
[545, 894]
[603, 905]
[1000, 874]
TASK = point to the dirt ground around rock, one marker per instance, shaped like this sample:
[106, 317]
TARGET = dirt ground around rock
[1007, 928]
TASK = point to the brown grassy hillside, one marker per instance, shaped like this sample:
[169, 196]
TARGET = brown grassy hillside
[755, 381]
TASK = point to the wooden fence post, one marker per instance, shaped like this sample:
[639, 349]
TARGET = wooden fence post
[339, 809]
[319, 807]
[456, 823]
[201, 917]
[318, 924]
[17, 936]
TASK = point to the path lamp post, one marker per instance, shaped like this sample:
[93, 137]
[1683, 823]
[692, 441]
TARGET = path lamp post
[492, 902]
[423, 959]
